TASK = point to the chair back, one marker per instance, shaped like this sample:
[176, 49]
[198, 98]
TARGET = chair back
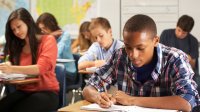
[78, 81]
[61, 77]
[79, 76]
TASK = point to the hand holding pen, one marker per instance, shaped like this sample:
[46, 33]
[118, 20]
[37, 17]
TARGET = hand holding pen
[5, 67]
[105, 99]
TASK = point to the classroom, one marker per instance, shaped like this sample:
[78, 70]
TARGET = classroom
[99, 55]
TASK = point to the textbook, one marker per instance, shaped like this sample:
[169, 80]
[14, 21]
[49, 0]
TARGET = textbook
[121, 108]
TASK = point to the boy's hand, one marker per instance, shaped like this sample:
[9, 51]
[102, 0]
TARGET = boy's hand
[105, 100]
[122, 98]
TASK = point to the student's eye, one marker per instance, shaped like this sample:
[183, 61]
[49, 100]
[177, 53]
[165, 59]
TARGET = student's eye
[128, 48]
[101, 35]
[18, 26]
[140, 49]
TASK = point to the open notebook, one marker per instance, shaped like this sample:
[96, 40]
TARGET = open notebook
[120, 108]
[12, 76]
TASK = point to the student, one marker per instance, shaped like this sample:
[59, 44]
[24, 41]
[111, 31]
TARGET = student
[101, 50]
[84, 40]
[181, 38]
[49, 25]
[146, 73]
[32, 54]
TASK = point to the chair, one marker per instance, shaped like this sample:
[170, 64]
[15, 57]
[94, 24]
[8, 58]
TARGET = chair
[61, 77]
[76, 87]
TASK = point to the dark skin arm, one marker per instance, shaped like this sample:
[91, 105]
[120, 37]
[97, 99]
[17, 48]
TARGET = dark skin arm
[105, 100]
[167, 102]
[192, 61]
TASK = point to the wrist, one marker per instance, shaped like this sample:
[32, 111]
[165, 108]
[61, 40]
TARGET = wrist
[96, 98]
[132, 101]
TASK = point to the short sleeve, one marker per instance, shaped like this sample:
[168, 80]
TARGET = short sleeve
[194, 47]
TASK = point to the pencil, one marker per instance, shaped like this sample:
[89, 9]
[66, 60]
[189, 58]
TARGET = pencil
[7, 58]
[104, 86]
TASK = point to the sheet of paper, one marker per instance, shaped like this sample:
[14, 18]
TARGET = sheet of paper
[64, 60]
[12, 76]
[120, 108]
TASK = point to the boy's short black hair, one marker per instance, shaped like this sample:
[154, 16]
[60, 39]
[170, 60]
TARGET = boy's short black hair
[186, 23]
[139, 23]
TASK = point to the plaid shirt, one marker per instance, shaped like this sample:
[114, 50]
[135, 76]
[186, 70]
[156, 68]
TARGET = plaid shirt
[171, 76]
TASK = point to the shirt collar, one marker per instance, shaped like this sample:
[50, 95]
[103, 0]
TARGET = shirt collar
[112, 47]
[158, 68]
[160, 57]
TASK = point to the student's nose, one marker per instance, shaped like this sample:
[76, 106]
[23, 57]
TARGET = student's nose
[98, 39]
[134, 54]
[16, 32]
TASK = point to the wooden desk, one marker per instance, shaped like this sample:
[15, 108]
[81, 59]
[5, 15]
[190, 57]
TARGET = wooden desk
[75, 107]
[1, 57]
[17, 82]
[21, 82]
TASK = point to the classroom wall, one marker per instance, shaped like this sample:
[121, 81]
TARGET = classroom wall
[192, 8]
[111, 10]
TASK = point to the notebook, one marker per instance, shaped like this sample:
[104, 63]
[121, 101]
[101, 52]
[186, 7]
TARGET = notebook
[5, 77]
[121, 108]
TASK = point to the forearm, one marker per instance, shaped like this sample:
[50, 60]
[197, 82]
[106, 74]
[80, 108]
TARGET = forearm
[167, 102]
[192, 63]
[30, 69]
[86, 64]
[90, 94]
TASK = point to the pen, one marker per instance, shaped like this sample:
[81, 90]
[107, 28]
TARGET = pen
[7, 58]
[104, 86]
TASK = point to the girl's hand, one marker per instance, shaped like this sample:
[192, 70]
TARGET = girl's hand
[6, 67]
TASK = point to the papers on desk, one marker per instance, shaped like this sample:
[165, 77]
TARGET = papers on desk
[122, 108]
[5, 77]
[64, 60]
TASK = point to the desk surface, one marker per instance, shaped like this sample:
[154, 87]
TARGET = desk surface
[75, 107]
[21, 82]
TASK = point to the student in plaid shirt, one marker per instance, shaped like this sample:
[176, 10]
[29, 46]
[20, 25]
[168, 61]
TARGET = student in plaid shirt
[146, 73]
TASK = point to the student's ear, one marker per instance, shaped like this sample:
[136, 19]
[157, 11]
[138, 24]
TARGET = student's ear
[156, 41]
[110, 31]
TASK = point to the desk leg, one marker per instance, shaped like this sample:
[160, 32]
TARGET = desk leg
[2, 91]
